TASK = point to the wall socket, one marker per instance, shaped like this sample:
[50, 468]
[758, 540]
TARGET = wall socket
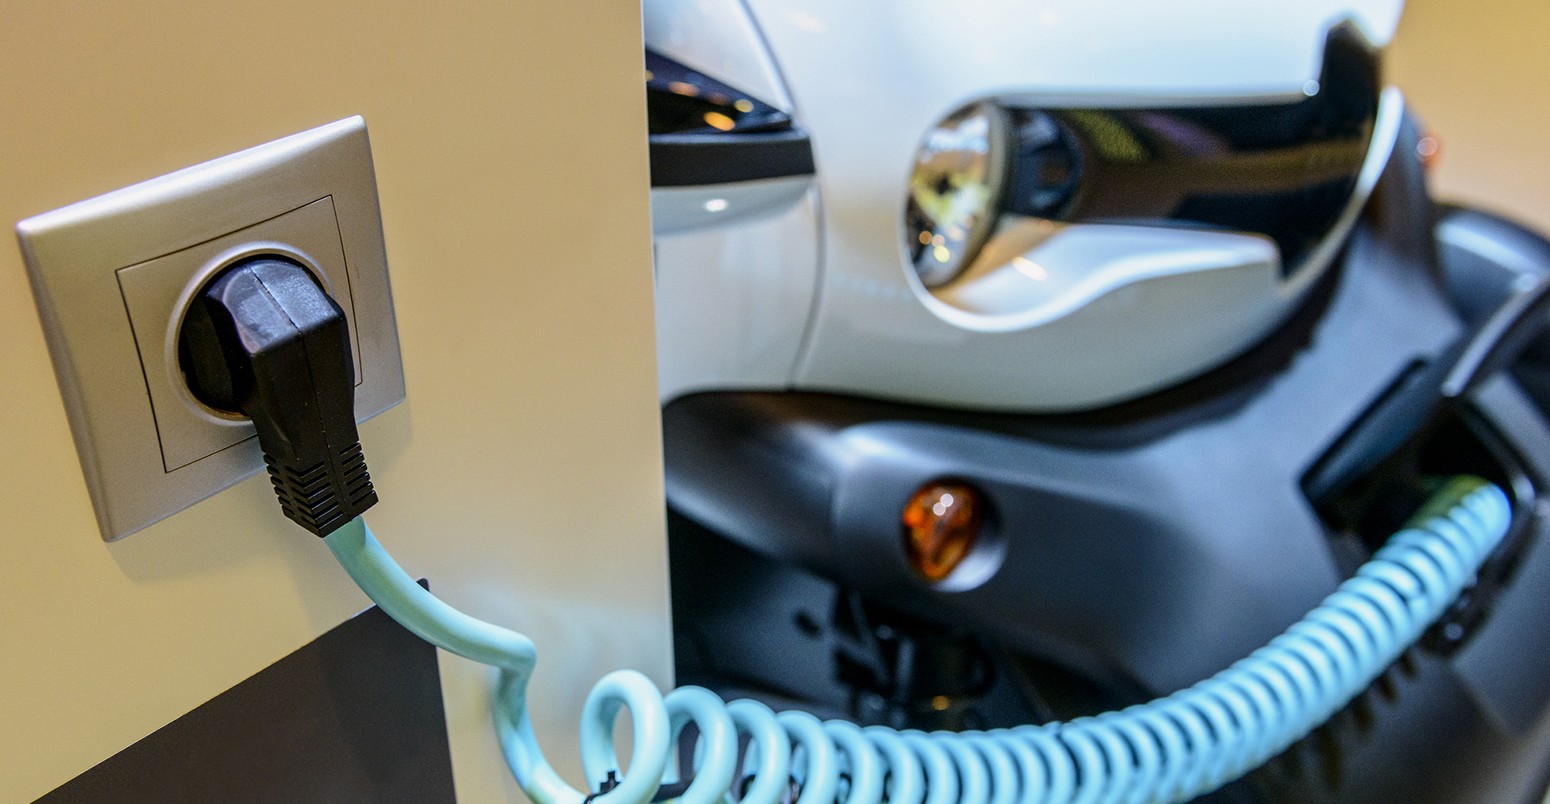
[113, 275]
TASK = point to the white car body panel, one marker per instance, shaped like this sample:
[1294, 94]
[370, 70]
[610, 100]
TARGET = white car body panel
[866, 81]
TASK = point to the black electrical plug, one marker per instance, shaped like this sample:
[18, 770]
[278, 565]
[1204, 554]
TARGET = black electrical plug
[264, 340]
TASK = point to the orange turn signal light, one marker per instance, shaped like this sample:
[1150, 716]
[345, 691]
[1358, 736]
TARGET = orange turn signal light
[942, 522]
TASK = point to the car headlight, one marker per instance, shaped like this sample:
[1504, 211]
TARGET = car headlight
[955, 190]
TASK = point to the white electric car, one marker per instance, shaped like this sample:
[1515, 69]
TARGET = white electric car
[1022, 361]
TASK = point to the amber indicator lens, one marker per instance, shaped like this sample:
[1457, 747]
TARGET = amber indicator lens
[941, 524]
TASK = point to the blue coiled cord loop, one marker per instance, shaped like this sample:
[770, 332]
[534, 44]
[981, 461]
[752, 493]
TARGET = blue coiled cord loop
[1169, 749]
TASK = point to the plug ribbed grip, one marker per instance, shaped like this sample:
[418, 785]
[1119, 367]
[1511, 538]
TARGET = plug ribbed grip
[325, 495]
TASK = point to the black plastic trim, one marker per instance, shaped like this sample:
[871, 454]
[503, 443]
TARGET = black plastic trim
[691, 159]
[1285, 170]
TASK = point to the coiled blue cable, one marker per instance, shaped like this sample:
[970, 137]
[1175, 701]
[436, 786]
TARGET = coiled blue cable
[1169, 749]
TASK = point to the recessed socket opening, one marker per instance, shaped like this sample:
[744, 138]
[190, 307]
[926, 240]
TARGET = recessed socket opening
[1366, 512]
[157, 294]
[1363, 515]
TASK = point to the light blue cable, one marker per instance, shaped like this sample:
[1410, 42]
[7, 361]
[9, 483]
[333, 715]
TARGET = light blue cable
[1170, 749]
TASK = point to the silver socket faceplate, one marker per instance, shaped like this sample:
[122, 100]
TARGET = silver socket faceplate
[113, 275]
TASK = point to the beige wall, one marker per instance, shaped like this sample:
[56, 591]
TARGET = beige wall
[1478, 73]
[523, 475]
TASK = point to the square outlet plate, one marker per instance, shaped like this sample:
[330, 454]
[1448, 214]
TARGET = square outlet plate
[113, 275]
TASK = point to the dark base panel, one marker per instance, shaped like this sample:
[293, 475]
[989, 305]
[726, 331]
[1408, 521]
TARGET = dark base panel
[356, 715]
